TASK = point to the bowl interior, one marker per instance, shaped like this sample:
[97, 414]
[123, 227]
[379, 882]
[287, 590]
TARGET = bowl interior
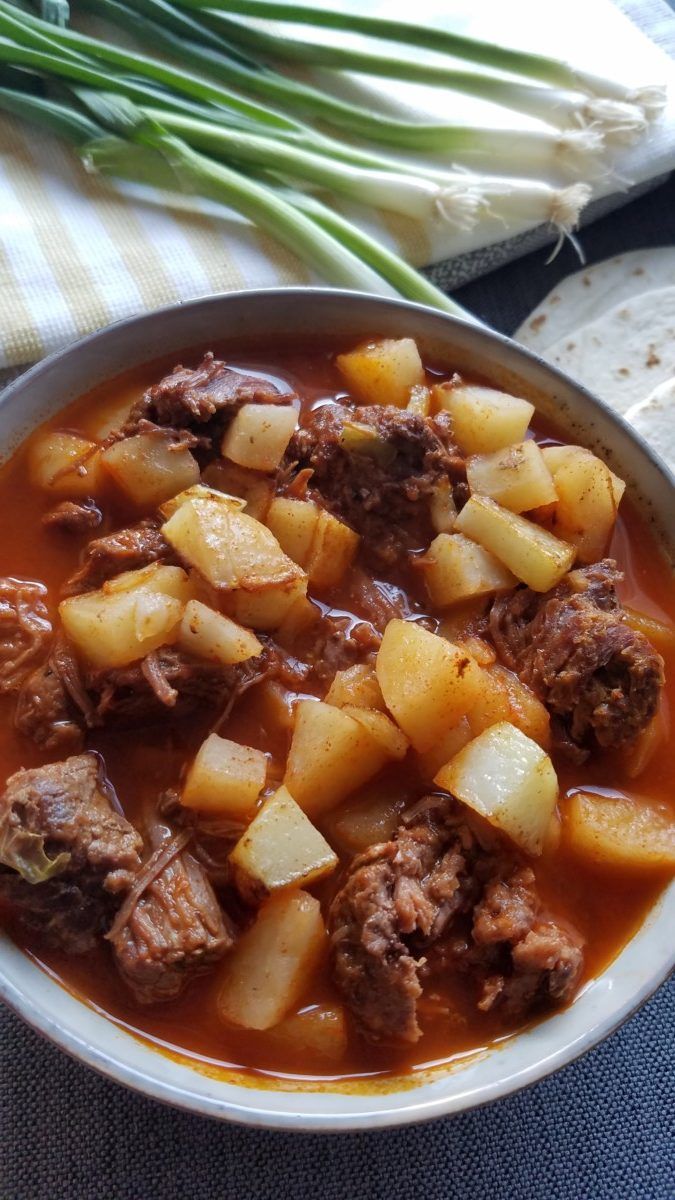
[251, 319]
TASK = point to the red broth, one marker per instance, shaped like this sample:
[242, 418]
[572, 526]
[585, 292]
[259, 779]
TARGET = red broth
[606, 906]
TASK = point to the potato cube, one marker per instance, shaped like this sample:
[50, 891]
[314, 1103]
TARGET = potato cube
[357, 686]
[254, 490]
[293, 523]
[420, 400]
[508, 779]
[585, 512]
[150, 467]
[442, 507]
[200, 491]
[383, 372]
[382, 730]
[516, 477]
[259, 435]
[525, 710]
[225, 778]
[660, 633]
[269, 609]
[555, 456]
[128, 617]
[211, 635]
[428, 684]
[533, 554]
[65, 464]
[619, 831]
[318, 1031]
[272, 964]
[483, 419]
[431, 760]
[331, 755]
[456, 569]
[281, 848]
[230, 549]
[108, 418]
[372, 820]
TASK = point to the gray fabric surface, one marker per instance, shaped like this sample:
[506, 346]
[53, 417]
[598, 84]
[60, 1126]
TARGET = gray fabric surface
[603, 1129]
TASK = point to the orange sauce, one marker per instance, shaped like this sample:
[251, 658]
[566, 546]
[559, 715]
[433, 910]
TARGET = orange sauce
[607, 907]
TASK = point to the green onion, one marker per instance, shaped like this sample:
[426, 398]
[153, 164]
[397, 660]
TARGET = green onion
[552, 71]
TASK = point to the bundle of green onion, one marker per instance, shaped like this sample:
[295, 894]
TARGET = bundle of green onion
[214, 116]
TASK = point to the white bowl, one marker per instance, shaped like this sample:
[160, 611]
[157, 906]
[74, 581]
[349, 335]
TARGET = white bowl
[480, 1077]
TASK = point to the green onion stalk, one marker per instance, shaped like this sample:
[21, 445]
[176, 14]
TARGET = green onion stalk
[141, 150]
[554, 71]
[621, 122]
[575, 152]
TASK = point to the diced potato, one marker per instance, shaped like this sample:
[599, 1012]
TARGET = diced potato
[323, 546]
[211, 635]
[280, 849]
[156, 577]
[456, 569]
[372, 820]
[299, 618]
[533, 554]
[508, 779]
[293, 523]
[331, 755]
[269, 609]
[450, 744]
[272, 965]
[457, 622]
[128, 617]
[274, 705]
[149, 467]
[383, 372]
[319, 1031]
[382, 730]
[585, 512]
[478, 648]
[225, 778]
[230, 549]
[637, 755]
[555, 456]
[483, 419]
[255, 490]
[526, 710]
[659, 633]
[428, 684]
[442, 507]
[619, 831]
[65, 464]
[200, 491]
[420, 400]
[108, 418]
[516, 477]
[357, 686]
[259, 435]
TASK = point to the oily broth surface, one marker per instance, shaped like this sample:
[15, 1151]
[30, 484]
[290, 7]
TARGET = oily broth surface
[606, 907]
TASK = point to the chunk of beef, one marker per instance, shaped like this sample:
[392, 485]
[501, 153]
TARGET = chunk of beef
[336, 643]
[600, 678]
[412, 885]
[24, 630]
[125, 550]
[76, 517]
[380, 485]
[436, 899]
[67, 852]
[170, 925]
[61, 699]
[187, 397]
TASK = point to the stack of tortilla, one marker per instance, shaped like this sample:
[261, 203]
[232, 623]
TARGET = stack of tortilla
[612, 327]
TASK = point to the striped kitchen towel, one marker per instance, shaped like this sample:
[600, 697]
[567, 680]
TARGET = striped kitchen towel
[77, 252]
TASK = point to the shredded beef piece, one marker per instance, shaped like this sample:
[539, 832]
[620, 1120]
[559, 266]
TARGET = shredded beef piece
[382, 490]
[125, 550]
[337, 643]
[439, 892]
[45, 713]
[24, 630]
[68, 853]
[189, 397]
[74, 517]
[600, 678]
[171, 927]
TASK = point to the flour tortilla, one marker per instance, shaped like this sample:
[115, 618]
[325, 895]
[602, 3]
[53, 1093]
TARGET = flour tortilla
[588, 294]
[654, 418]
[626, 353]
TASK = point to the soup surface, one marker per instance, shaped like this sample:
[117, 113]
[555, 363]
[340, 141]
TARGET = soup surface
[478, 912]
